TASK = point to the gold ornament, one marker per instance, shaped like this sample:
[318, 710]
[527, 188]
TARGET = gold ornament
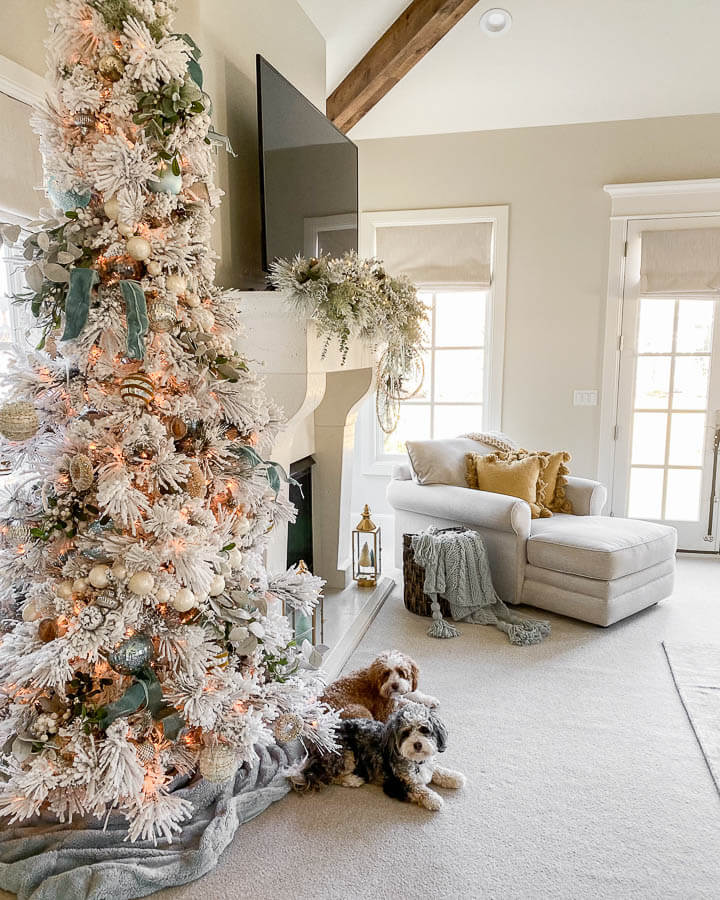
[195, 485]
[81, 472]
[177, 428]
[145, 753]
[18, 421]
[137, 388]
[287, 727]
[218, 763]
[366, 523]
[48, 630]
[111, 66]
[17, 535]
[162, 316]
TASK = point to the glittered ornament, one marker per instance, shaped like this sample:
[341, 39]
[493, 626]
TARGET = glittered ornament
[132, 654]
[218, 763]
[137, 388]
[165, 181]
[162, 316]
[145, 753]
[111, 208]
[287, 727]
[176, 284]
[64, 590]
[195, 485]
[177, 428]
[18, 421]
[91, 618]
[139, 248]
[17, 535]
[66, 200]
[99, 576]
[81, 472]
[111, 66]
[48, 630]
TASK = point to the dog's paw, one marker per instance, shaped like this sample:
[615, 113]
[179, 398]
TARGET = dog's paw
[431, 702]
[456, 780]
[430, 800]
[448, 778]
[351, 781]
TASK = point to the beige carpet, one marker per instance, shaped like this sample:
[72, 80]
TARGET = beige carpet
[585, 779]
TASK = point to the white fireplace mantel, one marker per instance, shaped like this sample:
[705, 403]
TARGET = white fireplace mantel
[320, 397]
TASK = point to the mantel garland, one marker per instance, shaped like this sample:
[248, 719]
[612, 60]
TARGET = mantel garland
[352, 297]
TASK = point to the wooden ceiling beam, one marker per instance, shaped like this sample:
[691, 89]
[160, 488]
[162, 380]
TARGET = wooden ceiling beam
[413, 34]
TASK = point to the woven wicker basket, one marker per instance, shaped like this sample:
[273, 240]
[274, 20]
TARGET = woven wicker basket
[414, 597]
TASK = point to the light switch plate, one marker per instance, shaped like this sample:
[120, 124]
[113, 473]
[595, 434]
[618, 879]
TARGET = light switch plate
[585, 398]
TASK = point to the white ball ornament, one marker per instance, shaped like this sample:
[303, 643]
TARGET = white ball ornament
[99, 576]
[126, 229]
[64, 590]
[119, 571]
[153, 267]
[141, 583]
[184, 600]
[217, 586]
[139, 248]
[111, 208]
[80, 585]
[162, 595]
[31, 612]
[176, 284]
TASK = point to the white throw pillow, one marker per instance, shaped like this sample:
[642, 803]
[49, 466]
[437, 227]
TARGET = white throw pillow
[443, 462]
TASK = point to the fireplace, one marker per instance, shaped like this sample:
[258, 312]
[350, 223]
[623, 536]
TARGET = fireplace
[300, 533]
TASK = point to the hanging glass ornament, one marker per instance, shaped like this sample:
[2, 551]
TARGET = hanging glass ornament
[48, 630]
[137, 388]
[132, 654]
[218, 763]
[81, 472]
[162, 316]
[84, 121]
[177, 428]
[165, 181]
[111, 66]
[107, 600]
[287, 727]
[18, 421]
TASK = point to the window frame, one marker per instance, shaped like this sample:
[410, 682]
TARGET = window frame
[373, 461]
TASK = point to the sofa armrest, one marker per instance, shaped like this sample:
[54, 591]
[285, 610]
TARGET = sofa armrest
[402, 472]
[479, 509]
[587, 497]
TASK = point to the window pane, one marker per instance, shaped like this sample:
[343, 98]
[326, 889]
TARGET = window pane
[646, 487]
[451, 421]
[649, 434]
[655, 331]
[652, 382]
[690, 384]
[460, 319]
[459, 376]
[687, 439]
[682, 502]
[414, 424]
[695, 326]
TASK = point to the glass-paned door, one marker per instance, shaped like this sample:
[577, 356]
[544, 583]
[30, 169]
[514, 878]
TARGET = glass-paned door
[669, 404]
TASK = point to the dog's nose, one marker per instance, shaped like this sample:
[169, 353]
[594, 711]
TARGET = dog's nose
[418, 746]
[394, 685]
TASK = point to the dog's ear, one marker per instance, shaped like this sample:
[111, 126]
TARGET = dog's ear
[440, 733]
[377, 670]
[414, 673]
[389, 737]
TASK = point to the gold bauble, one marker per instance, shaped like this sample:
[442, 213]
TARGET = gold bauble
[195, 485]
[177, 428]
[18, 421]
[145, 753]
[162, 316]
[137, 388]
[218, 763]
[287, 727]
[81, 472]
[48, 630]
[111, 66]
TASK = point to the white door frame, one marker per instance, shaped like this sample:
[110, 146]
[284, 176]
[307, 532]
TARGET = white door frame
[646, 200]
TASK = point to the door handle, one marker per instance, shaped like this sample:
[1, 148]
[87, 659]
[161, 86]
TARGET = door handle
[709, 537]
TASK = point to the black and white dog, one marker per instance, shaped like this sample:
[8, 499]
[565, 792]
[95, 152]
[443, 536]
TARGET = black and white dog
[398, 754]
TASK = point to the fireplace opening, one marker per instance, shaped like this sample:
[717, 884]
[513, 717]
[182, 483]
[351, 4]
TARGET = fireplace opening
[300, 532]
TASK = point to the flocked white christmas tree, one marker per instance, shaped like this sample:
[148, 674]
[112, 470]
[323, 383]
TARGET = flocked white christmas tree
[141, 633]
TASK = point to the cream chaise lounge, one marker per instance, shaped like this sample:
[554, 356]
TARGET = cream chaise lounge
[596, 568]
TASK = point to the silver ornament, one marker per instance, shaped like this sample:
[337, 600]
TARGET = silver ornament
[107, 600]
[132, 654]
[287, 727]
[91, 618]
[162, 316]
[218, 763]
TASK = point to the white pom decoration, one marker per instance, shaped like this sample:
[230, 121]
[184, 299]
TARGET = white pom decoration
[176, 284]
[141, 583]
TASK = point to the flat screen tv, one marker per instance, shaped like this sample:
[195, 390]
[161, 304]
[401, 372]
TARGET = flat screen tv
[308, 174]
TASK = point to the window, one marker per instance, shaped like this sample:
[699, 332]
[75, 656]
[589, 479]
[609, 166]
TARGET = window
[458, 259]
[451, 399]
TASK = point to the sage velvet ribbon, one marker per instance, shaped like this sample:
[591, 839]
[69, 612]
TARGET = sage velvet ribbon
[144, 693]
[137, 318]
[77, 302]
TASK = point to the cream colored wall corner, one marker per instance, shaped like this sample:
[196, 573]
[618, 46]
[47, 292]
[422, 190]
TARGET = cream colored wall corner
[558, 247]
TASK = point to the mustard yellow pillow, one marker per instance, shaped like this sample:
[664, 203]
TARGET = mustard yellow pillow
[552, 480]
[501, 473]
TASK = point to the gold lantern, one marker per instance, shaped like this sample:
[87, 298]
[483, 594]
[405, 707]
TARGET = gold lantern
[366, 551]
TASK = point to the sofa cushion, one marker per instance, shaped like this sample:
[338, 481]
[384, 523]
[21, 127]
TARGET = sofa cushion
[498, 474]
[601, 547]
[442, 462]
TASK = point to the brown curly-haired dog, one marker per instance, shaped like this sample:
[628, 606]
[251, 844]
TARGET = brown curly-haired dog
[376, 691]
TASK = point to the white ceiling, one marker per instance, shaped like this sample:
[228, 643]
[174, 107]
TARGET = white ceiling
[562, 61]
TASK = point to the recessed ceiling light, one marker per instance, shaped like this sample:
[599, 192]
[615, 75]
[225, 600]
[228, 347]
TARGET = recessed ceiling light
[496, 21]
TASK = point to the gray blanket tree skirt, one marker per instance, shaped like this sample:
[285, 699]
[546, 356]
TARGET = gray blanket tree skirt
[44, 860]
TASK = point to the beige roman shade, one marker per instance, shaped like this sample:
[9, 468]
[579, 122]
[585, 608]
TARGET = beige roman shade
[21, 172]
[683, 261]
[457, 252]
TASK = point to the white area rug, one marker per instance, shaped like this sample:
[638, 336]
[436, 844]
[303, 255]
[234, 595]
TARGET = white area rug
[696, 671]
[586, 780]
